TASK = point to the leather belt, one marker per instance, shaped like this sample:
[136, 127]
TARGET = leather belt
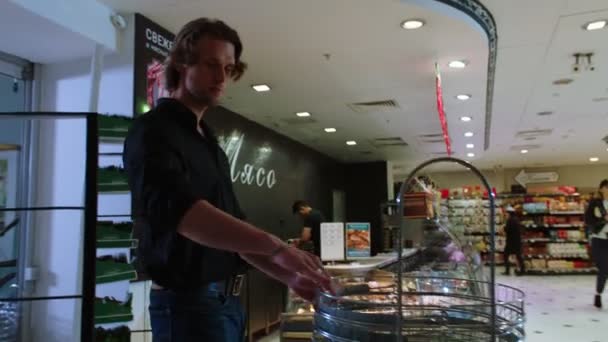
[229, 287]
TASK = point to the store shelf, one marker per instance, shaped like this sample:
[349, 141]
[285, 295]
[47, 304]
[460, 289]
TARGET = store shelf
[108, 271]
[555, 257]
[113, 127]
[477, 234]
[536, 195]
[115, 235]
[554, 213]
[548, 240]
[564, 271]
[554, 226]
[109, 310]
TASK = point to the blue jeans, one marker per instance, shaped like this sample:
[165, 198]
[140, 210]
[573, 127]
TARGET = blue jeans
[196, 316]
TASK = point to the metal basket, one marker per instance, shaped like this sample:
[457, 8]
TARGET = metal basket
[434, 309]
[434, 306]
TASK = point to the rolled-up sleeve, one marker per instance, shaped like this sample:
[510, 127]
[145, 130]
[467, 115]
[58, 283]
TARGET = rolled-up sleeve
[159, 183]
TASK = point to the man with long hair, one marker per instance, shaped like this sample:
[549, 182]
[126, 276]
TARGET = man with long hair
[194, 240]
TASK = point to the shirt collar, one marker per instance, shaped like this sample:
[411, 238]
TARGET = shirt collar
[177, 111]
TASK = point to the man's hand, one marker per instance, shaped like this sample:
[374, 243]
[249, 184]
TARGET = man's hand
[303, 286]
[304, 264]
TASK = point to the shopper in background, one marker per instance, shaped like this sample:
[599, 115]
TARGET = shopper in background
[311, 230]
[513, 244]
[193, 238]
[596, 219]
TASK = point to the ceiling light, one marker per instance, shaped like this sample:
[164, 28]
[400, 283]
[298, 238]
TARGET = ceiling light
[594, 159]
[466, 118]
[457, 64]
[261, 88]
[463, 97]
[469, 134]
[470, 146]
[563, 81]
[524, 151]
[470, 155]
[545, 113]
[595, 25]
[330, 130]
[303, 114]
[412, 24]
[351, 143]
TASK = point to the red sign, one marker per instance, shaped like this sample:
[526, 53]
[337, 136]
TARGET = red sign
[440, 110]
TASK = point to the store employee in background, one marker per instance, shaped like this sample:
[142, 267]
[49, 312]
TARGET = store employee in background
[193, 238]
[311, 230]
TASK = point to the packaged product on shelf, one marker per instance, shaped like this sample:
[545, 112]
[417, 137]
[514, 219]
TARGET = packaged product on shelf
[539, 263]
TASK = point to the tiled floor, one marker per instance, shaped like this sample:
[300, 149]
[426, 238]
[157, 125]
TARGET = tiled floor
[558, 309]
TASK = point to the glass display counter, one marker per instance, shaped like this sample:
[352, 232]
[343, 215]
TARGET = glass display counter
[440, 291]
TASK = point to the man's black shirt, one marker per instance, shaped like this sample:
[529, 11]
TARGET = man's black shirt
[513, 233]
[313, 221]
[170, 166]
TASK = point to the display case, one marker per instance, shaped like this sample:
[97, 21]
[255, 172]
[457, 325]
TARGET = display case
[445, 293]
[297, 320]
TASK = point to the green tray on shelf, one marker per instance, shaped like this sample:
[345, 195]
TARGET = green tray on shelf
[114, 127]
[109, 271]
[115, 235]
[119, 334]
[112, 179]
[109, 310]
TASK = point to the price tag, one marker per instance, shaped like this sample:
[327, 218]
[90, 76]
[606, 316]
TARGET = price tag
[332, 241]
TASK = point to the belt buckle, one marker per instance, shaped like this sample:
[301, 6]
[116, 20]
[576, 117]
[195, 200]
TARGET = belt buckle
[237, 284]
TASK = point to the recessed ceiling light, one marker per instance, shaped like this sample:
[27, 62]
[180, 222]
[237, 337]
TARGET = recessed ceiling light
[303, 114]
[563, 81]
[466, 118]
[544, 113]
[261, 87]
[524, 151]
[595, 25]
[470, 146]
[330, 130]
[351, 143]
[470, 155]
[463, 97]
[457, 64]
[412, 24]
[594, 159]
[469, 134]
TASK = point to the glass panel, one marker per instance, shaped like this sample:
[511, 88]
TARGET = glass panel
[41, 251]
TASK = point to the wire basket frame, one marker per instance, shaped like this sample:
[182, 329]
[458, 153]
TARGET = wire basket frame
[435, 309]
[424, 308]
[492, 230]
